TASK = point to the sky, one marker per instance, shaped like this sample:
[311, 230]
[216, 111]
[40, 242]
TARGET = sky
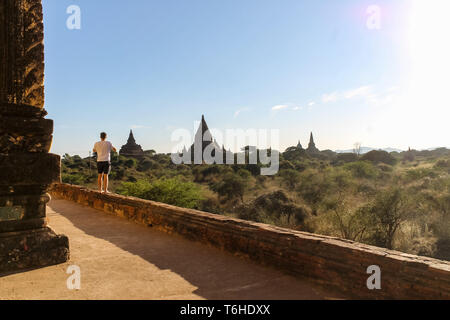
[350, 71]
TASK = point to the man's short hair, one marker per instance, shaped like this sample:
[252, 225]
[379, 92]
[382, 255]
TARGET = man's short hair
[103, 135]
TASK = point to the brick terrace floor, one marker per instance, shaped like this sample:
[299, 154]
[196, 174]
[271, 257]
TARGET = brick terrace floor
[122, 260]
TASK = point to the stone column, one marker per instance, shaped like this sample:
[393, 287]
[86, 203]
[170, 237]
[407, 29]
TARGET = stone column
[27, 169]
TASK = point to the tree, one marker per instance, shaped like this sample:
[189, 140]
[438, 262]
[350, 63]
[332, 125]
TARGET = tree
[379, 156]
[131, 163]
[352, 224]
[388, 211]
[409, 155]
[361, 169]
[357, 148]
[290, 177]
[232, 186]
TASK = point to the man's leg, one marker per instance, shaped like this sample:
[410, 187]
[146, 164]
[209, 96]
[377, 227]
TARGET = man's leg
[100, 175]
[105, 183]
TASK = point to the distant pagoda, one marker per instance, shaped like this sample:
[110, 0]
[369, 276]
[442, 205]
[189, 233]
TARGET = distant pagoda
[132, 149]
[299, 145]
[202, 140]
[312, 146]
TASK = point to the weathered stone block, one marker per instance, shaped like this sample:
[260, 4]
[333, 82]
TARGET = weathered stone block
[22, 212]
[11, 213]
[31, 249]
[25, 135]
[22, 65]
[24, 129]
[22, 225]
[22, 169]
[21, 110]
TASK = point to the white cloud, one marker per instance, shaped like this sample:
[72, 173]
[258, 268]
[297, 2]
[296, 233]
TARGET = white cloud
[312, 103]
[296, 108]
[280, 107]
[330, 97]
[364, 91]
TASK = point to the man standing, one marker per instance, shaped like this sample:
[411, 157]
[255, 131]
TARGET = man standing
[103, 149]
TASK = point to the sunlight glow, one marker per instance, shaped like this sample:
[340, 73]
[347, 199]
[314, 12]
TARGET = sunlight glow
[430, 53]
[420, 114]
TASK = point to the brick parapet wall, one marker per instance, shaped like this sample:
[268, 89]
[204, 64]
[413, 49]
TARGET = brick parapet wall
[332, 262]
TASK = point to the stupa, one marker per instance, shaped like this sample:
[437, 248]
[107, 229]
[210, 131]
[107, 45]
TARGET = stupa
[202, 140]
[131, 149]
[312, 146]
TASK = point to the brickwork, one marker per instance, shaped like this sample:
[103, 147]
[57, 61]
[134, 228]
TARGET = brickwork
[332, 262]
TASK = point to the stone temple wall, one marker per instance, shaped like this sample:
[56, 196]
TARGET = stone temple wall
[22, 52]
[27, 168]
[332, 262]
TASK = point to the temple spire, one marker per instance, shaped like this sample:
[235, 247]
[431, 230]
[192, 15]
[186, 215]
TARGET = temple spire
[131, 139]
[131, 149]
[312, 146]
[202, 140]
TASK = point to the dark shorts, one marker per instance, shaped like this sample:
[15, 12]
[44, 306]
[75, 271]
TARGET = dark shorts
[103, 167]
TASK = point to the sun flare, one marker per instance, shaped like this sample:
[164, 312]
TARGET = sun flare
[430, 54]
[424, 103]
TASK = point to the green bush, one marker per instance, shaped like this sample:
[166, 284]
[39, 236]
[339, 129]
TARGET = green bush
[117, 174]
[134, 189]
[206, 173]
[171, 191]
[339, 179]
[76, 179]
[147, 164]
[275, 208]
[361, 169]
[286, 165]
[343, 220]
[175, 192]
[244, 174]
[131, 163]
[294, 154]
[346, 157]
[290, 177]
[385, 167]
[443, 164]
[232, 186]
[387, 212]
[314, 186]
[379, 156]
[417, 174]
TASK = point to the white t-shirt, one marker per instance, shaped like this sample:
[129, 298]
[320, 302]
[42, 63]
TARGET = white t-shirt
[103, 149]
